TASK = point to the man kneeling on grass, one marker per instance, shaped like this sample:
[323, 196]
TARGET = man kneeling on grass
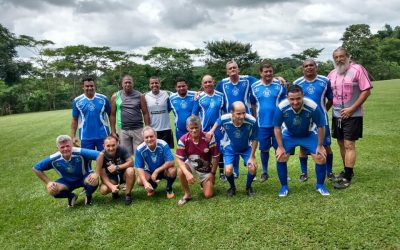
[196, 155]
[154, 161]
[115, 167]
[73, 164]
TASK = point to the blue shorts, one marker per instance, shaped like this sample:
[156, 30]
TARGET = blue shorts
[230, 155]
[72, 185]
[266, 138]
[179, 133]
[327, 138]
[96, 144]
[310, 142]
[160, 176]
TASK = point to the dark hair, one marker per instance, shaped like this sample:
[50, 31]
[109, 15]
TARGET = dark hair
[265, 65]
[87, 79]
[180, 79]
[294, 88]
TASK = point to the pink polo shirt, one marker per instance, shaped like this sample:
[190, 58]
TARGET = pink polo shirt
[347, 88]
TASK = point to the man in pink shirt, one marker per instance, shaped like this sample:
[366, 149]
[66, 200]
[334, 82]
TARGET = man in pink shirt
[351, 87]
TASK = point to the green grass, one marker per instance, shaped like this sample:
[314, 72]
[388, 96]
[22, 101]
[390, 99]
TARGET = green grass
[366, 215]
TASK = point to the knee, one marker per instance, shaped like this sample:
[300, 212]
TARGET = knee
[320, 160]
[349, 145]
[130, 172]
[172, 172]
[253, 170]
[208, 195]
[104, 189]
[229, 170]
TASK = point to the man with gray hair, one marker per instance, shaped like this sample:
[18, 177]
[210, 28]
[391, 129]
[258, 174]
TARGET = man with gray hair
[197, 156]
[73, 164]
[350, 87]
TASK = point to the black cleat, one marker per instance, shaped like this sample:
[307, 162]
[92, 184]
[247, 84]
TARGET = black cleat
[264, 177]
[250, 192]
[72, 200]
[88, 200]
[342, 184]
[128, 199]
[231, 192]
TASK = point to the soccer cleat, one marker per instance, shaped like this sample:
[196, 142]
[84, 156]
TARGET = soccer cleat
[303, 177]
[170, 194]
[222, 177]
[340, 176]
[250, 192]
[72, 200]
[284, 191]
[128, 199]
[231, 192]
[264, 177]
[88, 200]
[322, 189]
[115, 195]
[235, 175]
[331, 177]
[342, 184]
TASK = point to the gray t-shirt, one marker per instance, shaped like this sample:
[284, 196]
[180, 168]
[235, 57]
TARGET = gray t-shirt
[158, 106]
[129, 110]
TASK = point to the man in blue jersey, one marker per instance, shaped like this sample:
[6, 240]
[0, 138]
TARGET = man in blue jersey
[209, 107]
[154, 161]
[304, 126]
[90, 112]
[266, 95]
[235, 88]
[72, 164]
[241, 133]
[115, 167]
[317, 88]
[181, 103]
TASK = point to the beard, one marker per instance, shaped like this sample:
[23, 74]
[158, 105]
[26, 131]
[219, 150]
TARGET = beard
[342, 68]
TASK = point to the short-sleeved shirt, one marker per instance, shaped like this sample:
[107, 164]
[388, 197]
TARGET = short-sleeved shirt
[119, 158]
[159, 107]
[347, 87]
[209, 108]
[267, 97]
[239, 91]
[182, 108]
[302, 122]
[238, 138]
[202, 150]
[150, 160]
[72, 170]
[92, 115]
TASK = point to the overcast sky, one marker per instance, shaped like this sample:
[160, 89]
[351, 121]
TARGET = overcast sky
[274, 28]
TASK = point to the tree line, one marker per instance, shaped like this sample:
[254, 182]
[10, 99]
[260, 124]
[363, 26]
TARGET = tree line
[50, 78]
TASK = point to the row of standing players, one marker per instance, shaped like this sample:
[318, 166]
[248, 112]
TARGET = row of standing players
[279, 120]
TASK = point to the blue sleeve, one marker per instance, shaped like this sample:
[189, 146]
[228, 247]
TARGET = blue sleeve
[253, 99]
[196, 107]
[283, 94]
[90, 154]
[278, 117]
[219, 87]
[219, 122]
[169, 105]
[167, 153]
[44, 164]
[252, 80]
[319, 117]
[329, 94]
[139, 161]
[107, 107]
[75, 111]
[254, 133]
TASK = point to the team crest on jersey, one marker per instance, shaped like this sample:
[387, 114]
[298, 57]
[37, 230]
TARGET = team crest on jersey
[91, 106]
[183, 104]
[237, 133]
[70, 168]
[267, 92]
[310, 89]
[212, 104]
[285, 114]
[235, 91]
[296, 120]
[153, 157]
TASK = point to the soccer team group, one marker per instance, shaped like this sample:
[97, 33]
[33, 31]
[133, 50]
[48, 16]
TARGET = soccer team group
[130, 137]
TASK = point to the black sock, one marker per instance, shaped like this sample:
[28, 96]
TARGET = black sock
[348, 173]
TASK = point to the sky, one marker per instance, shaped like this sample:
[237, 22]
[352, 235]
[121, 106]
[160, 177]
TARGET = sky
[274, 28]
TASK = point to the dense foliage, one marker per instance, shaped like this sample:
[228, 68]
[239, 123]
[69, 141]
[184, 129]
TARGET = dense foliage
[50, 79]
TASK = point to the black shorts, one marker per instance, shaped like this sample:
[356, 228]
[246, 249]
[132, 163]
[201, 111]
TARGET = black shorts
[347, 129]
[117, 178]
[166, 135]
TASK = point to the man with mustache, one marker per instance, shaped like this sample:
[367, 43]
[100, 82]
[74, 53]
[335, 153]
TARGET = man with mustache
[351, 87]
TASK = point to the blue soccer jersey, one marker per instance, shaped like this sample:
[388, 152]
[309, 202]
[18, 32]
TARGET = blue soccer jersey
[182, 108]
[76, 169]
[319, 90]
[239, 91]
[92, 116]
[150, 160]
[266, 97]
[209, 109]
[238, 138]
[301, 123]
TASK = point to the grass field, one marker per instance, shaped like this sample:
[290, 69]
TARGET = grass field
[364, 216]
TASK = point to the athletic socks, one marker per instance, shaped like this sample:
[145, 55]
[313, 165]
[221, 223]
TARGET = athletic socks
[348, 173]
[264, 160]
[303, 164]
[281, 167]
[153, 184]
[236, 165]
[320, 172]
[89, 189]
[329, 163]
[231, 180]
[170, 181]
[221, 164]
[64, 194]
[250, 179]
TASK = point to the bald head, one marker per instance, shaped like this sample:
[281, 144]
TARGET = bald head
[238, 106]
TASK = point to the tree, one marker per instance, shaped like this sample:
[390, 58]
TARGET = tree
[220, 52]
[312, 53]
